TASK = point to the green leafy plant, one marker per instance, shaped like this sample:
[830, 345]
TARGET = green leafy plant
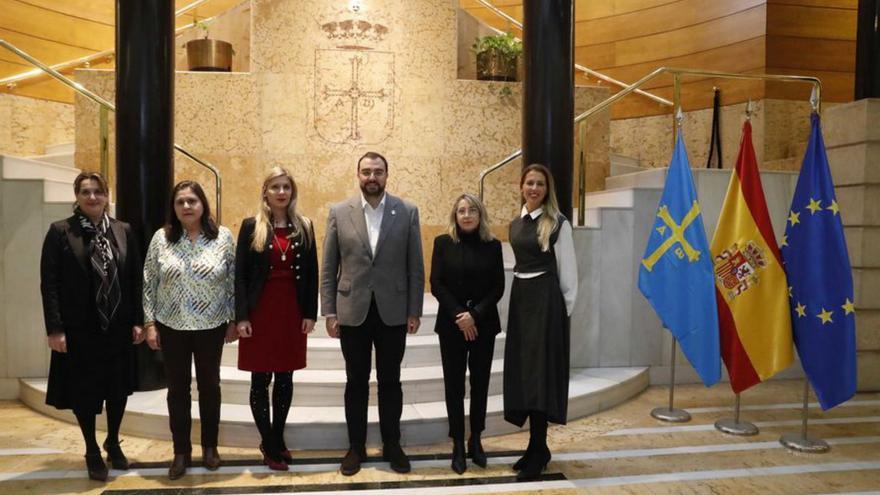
[504, 44]
[205, 26]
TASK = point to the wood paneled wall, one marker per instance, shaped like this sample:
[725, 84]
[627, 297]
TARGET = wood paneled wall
[56, 31]
[627, 39]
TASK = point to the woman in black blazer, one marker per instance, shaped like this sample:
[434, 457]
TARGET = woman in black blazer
[276, 304]
[90, 280]
[467, 278]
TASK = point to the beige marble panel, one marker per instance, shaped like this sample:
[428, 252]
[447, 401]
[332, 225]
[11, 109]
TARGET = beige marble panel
[29, 125]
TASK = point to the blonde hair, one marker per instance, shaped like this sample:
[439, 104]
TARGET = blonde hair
[483, 230]
[263, 218]
[549, 221]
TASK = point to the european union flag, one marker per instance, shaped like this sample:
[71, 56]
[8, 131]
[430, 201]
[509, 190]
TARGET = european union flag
[819, 273]
[677, 275]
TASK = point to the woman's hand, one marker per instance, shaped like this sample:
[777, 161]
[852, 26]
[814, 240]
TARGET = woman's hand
[245, 329]
[153, 338]
[57, 342]
[466, 324]
[137, 334]
[308, 325]
[231, 332]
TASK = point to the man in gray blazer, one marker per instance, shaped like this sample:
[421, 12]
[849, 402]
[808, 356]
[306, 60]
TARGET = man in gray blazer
[372, 288]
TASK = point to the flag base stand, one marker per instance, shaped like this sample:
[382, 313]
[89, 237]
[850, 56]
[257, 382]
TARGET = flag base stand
[734, 427]
[795, 441]
[671, 414]
[668, 413]
[801, 442]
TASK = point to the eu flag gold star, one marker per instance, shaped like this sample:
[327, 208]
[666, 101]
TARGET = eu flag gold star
[784, 241]
[814, 206]
[801, 310]
[833, 206]
[794, 218]
[848, 307]
[825, 316]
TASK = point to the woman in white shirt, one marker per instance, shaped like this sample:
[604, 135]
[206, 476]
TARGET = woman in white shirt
[189, 280]
[536, 355]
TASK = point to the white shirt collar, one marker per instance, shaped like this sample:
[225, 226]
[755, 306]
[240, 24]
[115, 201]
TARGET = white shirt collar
[381, 205]
[534, 214]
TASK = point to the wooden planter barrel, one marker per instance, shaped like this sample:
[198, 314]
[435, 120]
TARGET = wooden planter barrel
[492, 65]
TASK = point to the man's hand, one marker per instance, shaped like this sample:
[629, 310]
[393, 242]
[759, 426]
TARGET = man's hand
[57, 342]
[153, 338]
[137, 334]
[308, 325]
[245, 329]
[412, 324]
[332, 324]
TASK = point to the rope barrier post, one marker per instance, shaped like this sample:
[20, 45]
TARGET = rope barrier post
[670, 414]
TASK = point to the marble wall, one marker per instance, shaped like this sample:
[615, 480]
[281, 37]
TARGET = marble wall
[780, 129]
[325, 86]
[29, 125]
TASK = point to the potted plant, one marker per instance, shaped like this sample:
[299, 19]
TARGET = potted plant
[206, 54]
[497, 57]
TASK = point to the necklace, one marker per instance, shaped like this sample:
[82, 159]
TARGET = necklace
[278, 246]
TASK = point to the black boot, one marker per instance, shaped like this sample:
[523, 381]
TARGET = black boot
[96, 467]
[475, 450]
[115, 456]
[459, 464]
[534, 464]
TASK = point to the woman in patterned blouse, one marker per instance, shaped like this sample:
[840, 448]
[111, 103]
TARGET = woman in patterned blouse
[189, 281]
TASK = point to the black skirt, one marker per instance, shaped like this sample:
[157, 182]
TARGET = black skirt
[536, 354]
[93, 369]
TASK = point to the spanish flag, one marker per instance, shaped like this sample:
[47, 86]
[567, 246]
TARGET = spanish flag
[750, 284]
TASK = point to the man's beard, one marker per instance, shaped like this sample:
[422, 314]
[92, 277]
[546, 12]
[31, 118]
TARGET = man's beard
[379, 190]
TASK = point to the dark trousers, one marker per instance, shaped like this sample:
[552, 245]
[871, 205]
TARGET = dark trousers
[458, 356]
[179, 347]
[357, 348]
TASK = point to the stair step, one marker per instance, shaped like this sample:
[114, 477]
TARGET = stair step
[24, 168]
[58, 191]
[53, 149]
[590, 390]
[65, 159]
[325, 354]
[650, 178]
[327, 387]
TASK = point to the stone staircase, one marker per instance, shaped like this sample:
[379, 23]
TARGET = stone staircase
[317, 419]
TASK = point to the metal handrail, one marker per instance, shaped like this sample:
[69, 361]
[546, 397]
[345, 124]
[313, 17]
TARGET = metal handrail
[815, 101]
[585, 70]
[106, 105]
[11, 81]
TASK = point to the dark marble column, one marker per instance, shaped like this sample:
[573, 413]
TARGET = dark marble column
[145, 130]
[548, 92]
[868, 50]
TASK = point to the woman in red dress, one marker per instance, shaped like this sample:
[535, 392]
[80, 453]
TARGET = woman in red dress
[276, 301]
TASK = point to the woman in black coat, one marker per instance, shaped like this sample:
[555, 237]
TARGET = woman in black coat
[90, 280]
[276, 304]
[467, 278]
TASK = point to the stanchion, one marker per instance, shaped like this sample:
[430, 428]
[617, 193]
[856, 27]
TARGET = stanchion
[670, 413]
[735, 426]
[800, 441]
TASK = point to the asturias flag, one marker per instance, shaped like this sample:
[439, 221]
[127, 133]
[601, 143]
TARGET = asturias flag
[752, 292]
[676, 272]
[819, 273]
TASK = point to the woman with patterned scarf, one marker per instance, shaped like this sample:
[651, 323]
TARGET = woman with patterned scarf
[90, 280]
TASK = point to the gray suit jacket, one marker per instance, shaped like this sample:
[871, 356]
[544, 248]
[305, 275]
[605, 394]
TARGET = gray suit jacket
[351, 276]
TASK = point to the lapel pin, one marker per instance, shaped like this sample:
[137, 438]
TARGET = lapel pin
[394, 212]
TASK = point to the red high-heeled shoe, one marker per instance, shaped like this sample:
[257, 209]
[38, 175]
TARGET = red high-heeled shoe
[274, 465]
